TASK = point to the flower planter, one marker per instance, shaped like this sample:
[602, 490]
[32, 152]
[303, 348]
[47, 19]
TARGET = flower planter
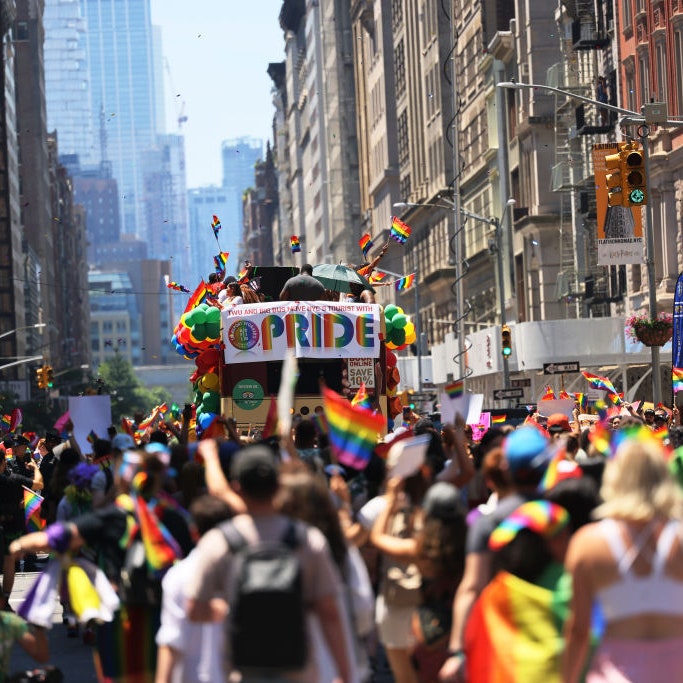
[651, 336]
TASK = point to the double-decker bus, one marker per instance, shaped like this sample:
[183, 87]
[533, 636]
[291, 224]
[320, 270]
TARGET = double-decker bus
[340, 343]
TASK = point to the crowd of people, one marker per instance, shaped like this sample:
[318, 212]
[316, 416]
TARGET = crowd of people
[549, 551]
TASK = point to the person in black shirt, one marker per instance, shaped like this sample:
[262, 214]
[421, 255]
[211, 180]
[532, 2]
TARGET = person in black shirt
[14, 475]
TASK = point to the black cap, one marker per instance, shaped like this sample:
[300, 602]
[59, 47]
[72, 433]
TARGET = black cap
[256, 470]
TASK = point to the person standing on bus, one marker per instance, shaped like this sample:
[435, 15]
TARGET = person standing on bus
[303, 287]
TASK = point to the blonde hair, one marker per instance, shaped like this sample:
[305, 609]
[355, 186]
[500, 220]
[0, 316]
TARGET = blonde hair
[637, 485]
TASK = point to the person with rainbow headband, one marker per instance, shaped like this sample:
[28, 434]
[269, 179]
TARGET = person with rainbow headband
[136, 540]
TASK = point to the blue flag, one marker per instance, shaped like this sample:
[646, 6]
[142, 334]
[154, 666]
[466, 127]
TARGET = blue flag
[677, 344]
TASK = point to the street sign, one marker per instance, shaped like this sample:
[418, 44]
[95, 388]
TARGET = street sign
[559, 368]
[499, 394]
[521, 382]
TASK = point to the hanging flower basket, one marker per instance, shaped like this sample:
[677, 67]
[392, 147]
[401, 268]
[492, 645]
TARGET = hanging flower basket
[651, 336]
[650, 331]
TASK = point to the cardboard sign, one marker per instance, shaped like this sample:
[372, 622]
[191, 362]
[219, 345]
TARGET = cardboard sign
[361, 370]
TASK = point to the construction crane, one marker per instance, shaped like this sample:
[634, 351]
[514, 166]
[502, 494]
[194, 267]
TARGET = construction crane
[181, 117]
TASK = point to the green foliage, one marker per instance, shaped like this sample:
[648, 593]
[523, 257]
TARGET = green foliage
[128, 395]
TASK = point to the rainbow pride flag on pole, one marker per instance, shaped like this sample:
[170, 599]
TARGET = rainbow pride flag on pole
[399, 232]
[32, 503]
[220, 261]
[365, 244]
[361, 398]
[455, 389]
[296, 244]
[405, 283]
[197, 297]
[677, 379]
[603, 383]
[216, 226]
[353, 430]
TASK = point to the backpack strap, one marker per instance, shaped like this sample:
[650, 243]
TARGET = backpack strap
[236, 542]
[291, 538]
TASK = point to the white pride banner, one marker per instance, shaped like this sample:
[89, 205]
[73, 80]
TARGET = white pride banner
[314, 329]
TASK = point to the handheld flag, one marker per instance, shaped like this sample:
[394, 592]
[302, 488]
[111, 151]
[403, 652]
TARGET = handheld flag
[455, 389]
[296, 245]
[598, 382]
[549, 394]
[405, 283]
[353, 430]
[178, 287]
[16, 419]
[365, 244]
[92, 437]
[399, 232]
[216, 226]
[677, 378]
[376, 276]
[270, 427]
[361, 398]
[32, 503]
[197, 297]
[498, 419]
[220, 261]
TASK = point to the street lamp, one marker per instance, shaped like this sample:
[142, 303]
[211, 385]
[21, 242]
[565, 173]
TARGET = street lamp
[643, 132]
[26, 327]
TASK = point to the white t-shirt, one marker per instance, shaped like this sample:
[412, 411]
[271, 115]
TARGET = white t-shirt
[369, 513]
[201, 645]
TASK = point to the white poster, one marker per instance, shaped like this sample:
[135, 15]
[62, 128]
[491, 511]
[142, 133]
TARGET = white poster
[361, 370]
[89, 414]
[315, 329]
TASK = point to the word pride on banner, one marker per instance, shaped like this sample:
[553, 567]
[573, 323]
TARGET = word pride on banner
[263, 332]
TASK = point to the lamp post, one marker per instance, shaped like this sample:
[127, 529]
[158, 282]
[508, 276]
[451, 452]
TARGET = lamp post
[643, 132]
[26, 327]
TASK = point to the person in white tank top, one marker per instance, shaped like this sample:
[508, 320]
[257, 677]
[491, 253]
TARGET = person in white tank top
[631, 564]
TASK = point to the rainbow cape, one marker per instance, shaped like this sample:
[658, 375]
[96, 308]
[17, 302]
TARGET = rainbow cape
[399, 232]
[353, 430]
[365, 244]
[514, 631]
[32, 503]
[677, 379]
[296, 245]
[405, 282]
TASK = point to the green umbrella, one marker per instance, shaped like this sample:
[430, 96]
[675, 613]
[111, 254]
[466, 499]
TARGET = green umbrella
[338, 278]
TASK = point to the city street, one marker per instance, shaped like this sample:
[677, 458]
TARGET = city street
[69, 654]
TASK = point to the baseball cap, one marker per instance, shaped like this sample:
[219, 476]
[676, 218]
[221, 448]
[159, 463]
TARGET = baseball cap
[557, 423]
[526, 449]
[442, 500]
[122, 442]
[52, 435]
[256, 469]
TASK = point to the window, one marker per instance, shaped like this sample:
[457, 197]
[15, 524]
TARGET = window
[677, 107]
[660, 65]
[403, 140]
[21, 30]
[643, 78]
[396, 14]
[626, 14]
[399, 70]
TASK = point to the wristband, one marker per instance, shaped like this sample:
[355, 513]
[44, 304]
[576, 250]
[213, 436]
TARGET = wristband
[460, 654]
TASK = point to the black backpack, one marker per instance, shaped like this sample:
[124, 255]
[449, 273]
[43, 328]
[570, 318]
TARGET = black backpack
[267, 612]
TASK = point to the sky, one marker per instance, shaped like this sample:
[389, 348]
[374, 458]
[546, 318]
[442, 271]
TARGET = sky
[217, 52]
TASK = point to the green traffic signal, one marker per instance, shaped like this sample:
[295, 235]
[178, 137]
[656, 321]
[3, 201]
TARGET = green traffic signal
[506, 341]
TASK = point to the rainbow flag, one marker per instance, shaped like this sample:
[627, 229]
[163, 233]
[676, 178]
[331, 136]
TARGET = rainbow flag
[220, 261]
[242, 275]
[581, 399]
[361, 398]
[455, 389]
[270, 427]
[559, 469]
[197, 297]
[32, 503]
[15, 420]
[677, 378]
[498, 419]
[514, 631]
[353, 430]
[399, 232]
[92, 437]
[296, 245]
[178, 287]
[598, 382]
[549, 394]
[161, 549]
[216, 226]
[376, 276]
[565, 394]
[365, 244]
[5, 423]
[405, 283]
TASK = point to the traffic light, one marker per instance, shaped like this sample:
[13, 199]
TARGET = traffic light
[506, 341]
[49, 377]
[41, 378]
[633, 172]
[614, 179]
